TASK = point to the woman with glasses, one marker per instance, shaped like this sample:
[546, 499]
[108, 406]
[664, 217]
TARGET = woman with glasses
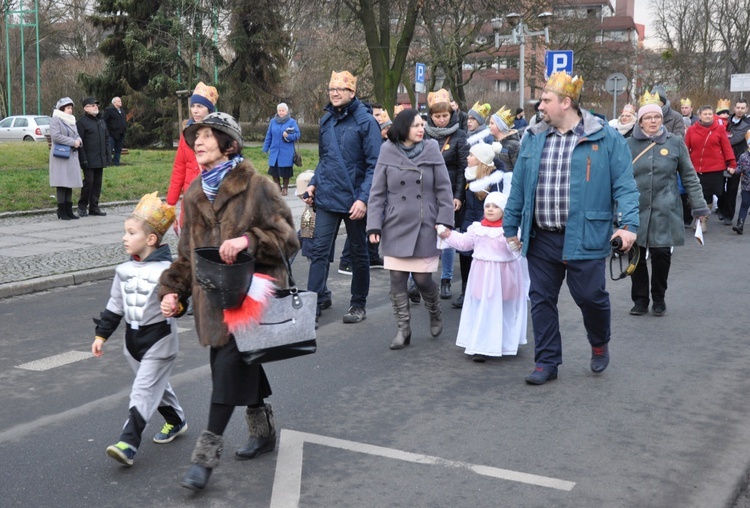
[658, 157]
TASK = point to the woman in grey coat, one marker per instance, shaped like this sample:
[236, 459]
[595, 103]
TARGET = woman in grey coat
[65, 174]
[658, 157]
[411, 194]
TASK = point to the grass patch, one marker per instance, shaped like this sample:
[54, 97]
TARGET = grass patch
[24, 174]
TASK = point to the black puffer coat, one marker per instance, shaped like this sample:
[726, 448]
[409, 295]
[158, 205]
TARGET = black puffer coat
[455, 150]
[93, 132]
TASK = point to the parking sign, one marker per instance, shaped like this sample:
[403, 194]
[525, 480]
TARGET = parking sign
[556, 61]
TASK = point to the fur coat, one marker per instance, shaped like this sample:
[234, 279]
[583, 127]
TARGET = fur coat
[247, 203]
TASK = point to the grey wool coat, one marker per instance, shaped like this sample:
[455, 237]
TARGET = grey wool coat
[655, 173]
[407, 199]
[64, 172]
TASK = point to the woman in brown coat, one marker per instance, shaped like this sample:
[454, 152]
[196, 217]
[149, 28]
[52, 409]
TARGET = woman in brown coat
[234, 208]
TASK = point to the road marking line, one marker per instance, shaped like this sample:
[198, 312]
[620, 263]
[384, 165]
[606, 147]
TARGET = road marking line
[56, 361]
[287, 482]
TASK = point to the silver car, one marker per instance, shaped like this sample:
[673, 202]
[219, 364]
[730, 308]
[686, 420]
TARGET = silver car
[25, 128]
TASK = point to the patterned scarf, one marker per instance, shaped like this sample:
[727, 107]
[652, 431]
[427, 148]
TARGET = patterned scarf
[212, 178]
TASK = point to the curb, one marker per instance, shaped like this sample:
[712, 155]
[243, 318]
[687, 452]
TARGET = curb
[36, 285]
[41, 211]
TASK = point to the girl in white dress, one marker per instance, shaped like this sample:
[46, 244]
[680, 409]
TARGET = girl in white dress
[493, 317]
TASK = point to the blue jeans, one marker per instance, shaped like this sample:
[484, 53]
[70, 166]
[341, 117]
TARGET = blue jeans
[586, 281]
[115, 145]
[326, 227]
[446, 259]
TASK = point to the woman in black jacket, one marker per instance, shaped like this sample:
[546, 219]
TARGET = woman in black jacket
[443, 125]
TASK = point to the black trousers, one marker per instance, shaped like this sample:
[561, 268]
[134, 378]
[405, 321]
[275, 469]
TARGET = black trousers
[661, 260]
[728, 200]
[92, 188]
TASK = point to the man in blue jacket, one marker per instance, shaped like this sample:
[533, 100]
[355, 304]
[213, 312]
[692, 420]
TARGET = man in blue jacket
[348, 148]
[571, 172]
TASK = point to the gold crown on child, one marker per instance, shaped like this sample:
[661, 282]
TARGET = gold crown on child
[506, 115]
[153, 212]
[564, 84]
[650, 98]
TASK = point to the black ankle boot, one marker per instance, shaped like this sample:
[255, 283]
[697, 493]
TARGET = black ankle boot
[445, 289]
[61, 212]
[205, 458]
[261, 430]
[196, 477]
[69, 211]
[739, 228]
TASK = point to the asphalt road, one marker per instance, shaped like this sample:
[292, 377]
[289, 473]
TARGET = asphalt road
[363, 426]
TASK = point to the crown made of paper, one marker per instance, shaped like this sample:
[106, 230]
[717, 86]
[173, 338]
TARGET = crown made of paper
[383, 118]
[506, 116]
[153, 212]
[562, 83]
[482, 109]
[686, 102]
[629, 108]
[209, 92]
[723, 105]
[441, 95]
[343, 80]
[650, 98]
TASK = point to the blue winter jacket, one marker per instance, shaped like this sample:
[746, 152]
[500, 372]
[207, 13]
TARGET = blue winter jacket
[281, 152]
[339, 183]
[601, 181]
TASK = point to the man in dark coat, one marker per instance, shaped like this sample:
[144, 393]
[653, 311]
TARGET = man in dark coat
[92, 156]
[737, 126]
[115, 116]
[348, 149]
[673, 121]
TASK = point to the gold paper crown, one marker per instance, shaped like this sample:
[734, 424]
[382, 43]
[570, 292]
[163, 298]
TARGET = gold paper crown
[629, 108]
[649, 98]
[506, 116]
[209, 92]
[383, 118]
[686, 102]
[441, 95]
[482, 109]
[343, 80]
[562, 83]
[156, 214]
[723, 105]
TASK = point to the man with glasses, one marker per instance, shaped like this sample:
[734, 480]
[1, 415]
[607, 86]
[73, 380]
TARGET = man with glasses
[348, 147]
[92, 156]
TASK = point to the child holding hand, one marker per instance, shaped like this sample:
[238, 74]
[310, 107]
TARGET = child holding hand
[151, 341]
[494, 315]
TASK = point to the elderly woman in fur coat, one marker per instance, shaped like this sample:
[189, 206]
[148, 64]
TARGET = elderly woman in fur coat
[234, 208]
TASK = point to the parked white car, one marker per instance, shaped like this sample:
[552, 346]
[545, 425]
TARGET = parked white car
[25, 128]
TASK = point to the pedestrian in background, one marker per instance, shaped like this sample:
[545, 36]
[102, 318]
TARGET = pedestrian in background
[519, 122]
[411, 193]
[625, 123]
[185, 167]
[92, 156]
[673, 121]
[462, 116]
[572, 170]
[493, 317]
[64, 174]
[478, 132]
[737, 126]
[151, 341]
[505, 139]
[253, 217]
[281, 135]
[658, 158]
[743, 167]
[116, 118]
[443, 126]
[348, 149]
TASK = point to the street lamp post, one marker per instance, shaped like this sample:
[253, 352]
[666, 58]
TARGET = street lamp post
[519, 31]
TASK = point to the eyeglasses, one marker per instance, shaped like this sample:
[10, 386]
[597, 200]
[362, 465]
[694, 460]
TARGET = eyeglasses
[651, 118]
[338, 91]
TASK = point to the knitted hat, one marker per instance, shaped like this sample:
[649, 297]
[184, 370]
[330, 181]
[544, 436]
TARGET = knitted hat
[649, 108]
[205, 95]
[503, 119]
[480, 112]
[497, 198]
[484, 153]
[384, 120]
[303, 181]
[343, 80]
[218, 121]
[662, 93]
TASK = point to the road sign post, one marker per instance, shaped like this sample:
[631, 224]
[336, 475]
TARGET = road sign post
[616, 84]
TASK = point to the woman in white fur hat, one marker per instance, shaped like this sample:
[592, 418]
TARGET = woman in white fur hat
[493, 317]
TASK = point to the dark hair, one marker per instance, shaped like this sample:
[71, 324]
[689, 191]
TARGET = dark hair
[374, 105]
[704, 108]
[741, 101]
[399, 131]
[519, 111]
[441, 107]
[62, 108]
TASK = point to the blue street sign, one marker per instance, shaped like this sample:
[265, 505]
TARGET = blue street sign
[556, 61]
[421, 70]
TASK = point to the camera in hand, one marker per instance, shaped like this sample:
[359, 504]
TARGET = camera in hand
[616, 243]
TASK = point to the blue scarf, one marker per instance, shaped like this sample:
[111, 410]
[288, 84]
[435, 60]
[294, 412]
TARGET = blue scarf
[211, 179]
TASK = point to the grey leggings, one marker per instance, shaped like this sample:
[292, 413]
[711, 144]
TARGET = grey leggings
[423, 281]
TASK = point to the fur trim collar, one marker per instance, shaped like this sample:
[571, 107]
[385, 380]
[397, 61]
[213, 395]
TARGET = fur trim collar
[68, 119]
[485, 183]
[478, 136]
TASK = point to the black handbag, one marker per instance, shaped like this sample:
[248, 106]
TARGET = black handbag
[286, 329]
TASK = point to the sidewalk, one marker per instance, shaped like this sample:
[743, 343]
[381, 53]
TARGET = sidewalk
[39, 252]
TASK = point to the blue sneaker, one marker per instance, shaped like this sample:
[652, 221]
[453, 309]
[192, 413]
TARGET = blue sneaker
[169, 432]
[122, 452]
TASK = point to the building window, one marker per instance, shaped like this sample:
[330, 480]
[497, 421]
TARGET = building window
[506, 86]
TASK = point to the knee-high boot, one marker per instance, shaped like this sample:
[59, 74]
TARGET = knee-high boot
[403, 317]
[262, 433]
[205, 458]
[432, 302]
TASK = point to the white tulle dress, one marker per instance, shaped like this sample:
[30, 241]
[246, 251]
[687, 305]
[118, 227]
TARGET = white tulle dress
[494, 315]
